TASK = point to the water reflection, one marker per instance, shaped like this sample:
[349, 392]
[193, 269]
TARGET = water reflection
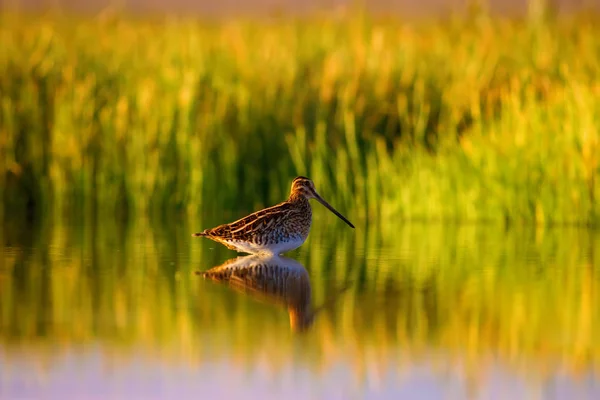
[273, 279]
[465, 306]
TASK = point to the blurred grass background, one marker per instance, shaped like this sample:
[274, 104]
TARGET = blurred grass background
[465, 118]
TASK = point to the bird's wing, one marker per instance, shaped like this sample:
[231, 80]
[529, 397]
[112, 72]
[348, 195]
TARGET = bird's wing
[254, 224]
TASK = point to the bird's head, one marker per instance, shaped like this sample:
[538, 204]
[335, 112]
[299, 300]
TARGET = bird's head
[304, 187]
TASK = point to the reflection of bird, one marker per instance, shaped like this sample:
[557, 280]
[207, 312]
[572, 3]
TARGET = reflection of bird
[276, 229]
[274, 279]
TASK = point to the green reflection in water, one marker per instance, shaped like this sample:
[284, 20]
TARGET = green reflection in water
[474, 295]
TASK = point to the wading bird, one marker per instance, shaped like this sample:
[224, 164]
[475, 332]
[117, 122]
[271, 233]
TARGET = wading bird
[276, 229]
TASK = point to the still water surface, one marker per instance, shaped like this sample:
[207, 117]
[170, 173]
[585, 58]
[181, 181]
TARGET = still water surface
[99, 310]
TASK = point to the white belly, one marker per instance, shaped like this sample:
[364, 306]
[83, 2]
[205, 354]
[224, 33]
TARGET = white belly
[271, 248]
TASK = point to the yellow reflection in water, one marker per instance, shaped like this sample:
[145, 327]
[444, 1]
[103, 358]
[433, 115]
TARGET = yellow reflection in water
[473, 296]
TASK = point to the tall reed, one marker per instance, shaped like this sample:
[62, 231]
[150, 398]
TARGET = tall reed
[462, 119]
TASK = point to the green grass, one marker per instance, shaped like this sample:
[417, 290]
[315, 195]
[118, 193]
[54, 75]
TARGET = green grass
[464, 119]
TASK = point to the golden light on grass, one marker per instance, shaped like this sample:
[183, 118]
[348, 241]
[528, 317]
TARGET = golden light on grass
[478, 119]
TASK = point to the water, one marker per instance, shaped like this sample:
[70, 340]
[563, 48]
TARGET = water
[100, 310]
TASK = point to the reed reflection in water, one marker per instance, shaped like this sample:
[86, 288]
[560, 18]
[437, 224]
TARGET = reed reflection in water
[446, 309]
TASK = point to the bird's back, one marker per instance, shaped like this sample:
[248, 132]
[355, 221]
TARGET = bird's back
[279, 228]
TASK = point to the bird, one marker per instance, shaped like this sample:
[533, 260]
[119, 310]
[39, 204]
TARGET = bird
[273, 230]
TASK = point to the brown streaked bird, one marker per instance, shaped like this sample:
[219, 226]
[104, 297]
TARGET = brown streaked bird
[275, 280]
[276, 229]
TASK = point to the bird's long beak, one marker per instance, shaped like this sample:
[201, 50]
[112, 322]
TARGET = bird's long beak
[333, 210]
